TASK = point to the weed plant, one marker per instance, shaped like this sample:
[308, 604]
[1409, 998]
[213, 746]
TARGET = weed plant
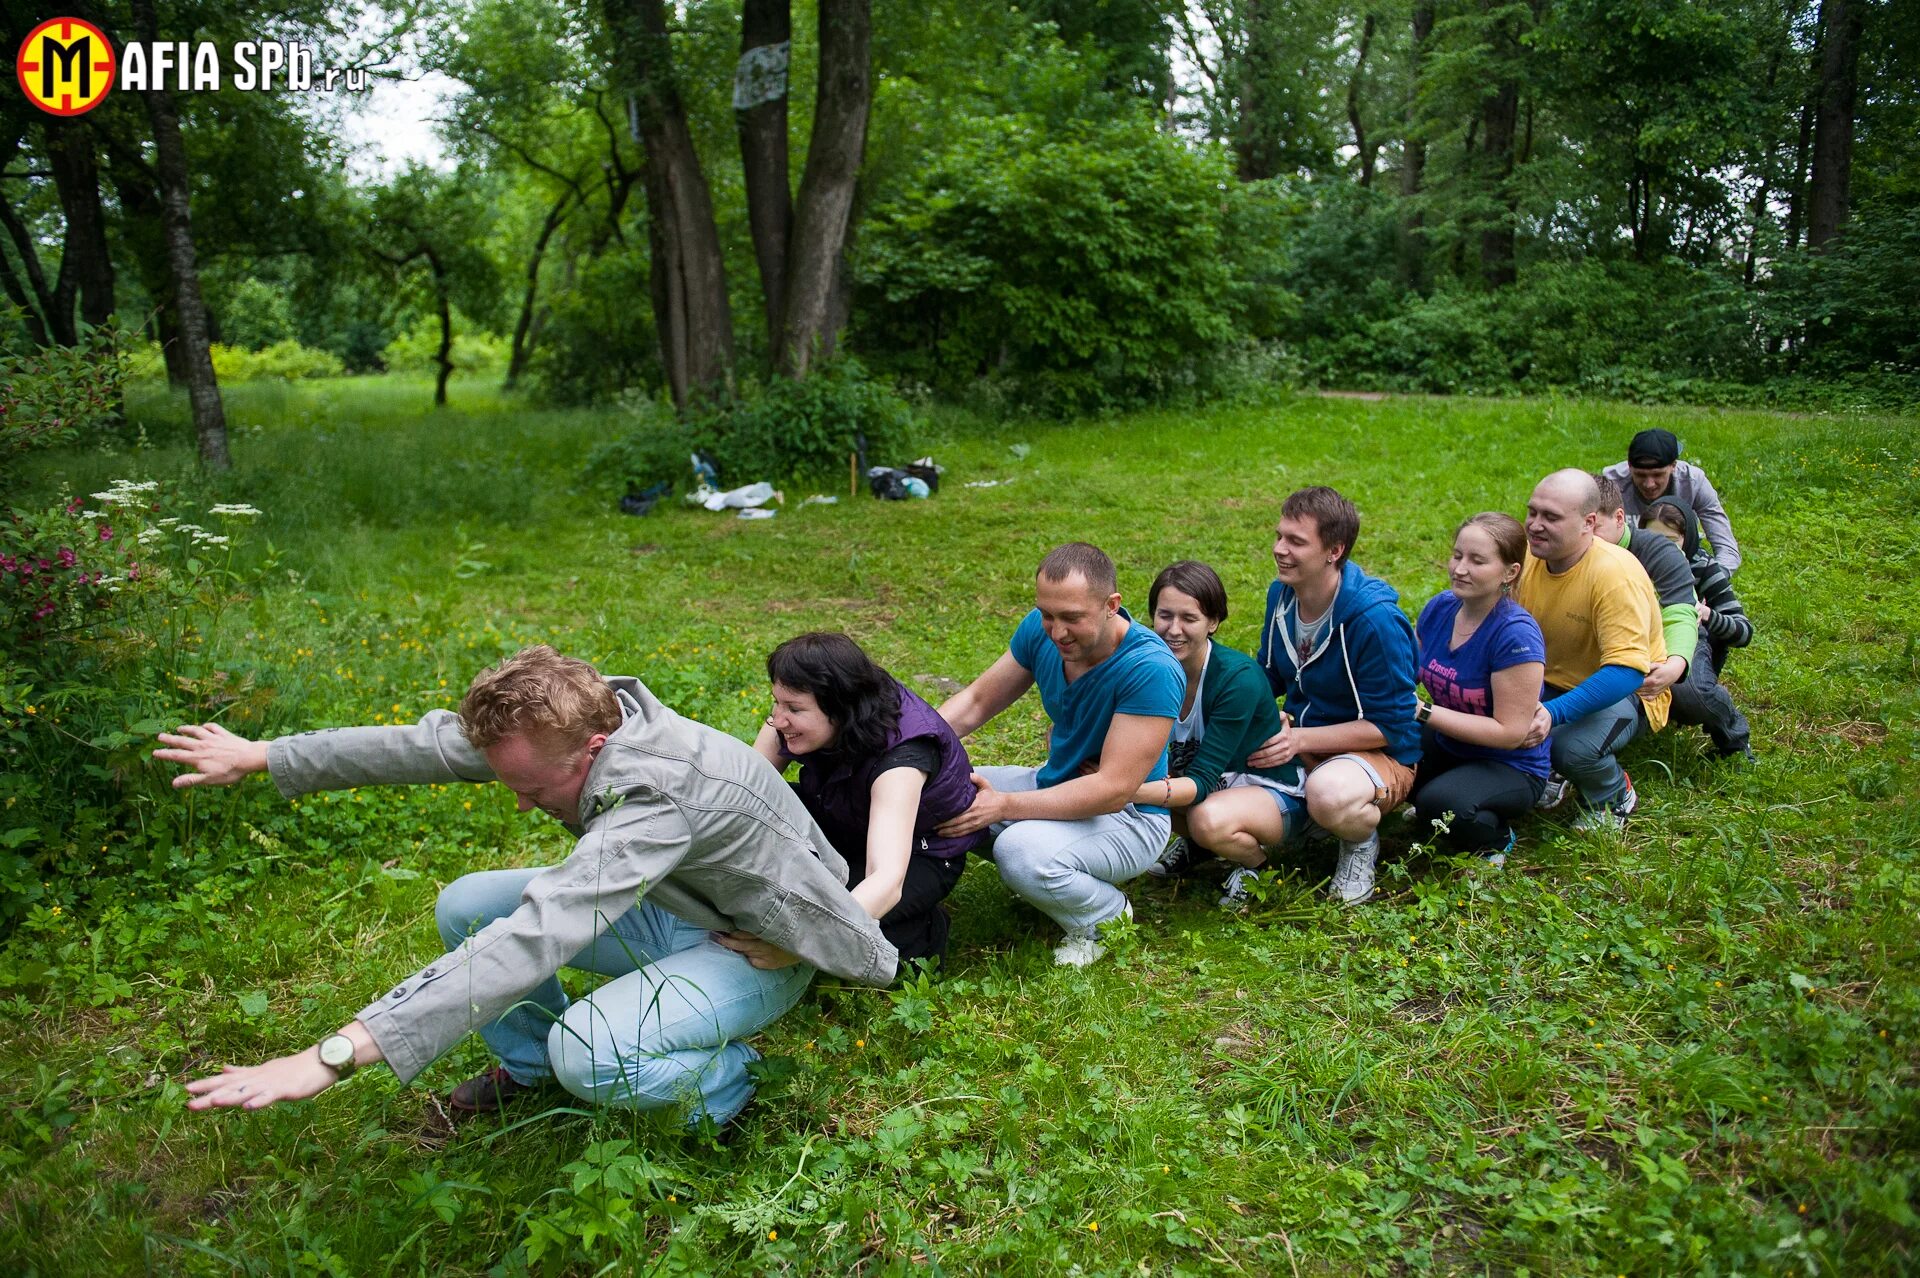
[1691, 1050]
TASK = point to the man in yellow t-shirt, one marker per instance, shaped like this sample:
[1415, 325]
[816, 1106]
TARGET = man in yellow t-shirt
[1601, 619]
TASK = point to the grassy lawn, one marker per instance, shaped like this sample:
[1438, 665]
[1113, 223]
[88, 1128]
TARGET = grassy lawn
[1689, 1051]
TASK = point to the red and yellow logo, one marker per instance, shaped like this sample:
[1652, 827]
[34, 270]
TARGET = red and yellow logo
[65, 66]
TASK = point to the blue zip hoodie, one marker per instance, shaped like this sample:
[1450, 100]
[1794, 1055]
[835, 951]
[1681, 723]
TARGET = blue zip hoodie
[1367, 668]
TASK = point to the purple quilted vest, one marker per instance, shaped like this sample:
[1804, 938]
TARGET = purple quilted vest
[839, 791]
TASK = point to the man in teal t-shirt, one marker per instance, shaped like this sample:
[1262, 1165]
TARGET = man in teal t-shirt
[1065, 833]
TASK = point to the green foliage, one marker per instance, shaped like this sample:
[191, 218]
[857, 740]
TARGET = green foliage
[256, 315]
[1046, 261]
[780, 429]
[107, 619]
[60, 394]
[597, 338]
[286, 360]
[416, 349]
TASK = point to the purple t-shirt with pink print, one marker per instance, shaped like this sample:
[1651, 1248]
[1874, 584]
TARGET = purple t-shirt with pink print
[1462, 678]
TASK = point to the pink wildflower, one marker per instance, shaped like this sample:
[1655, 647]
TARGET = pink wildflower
[106, 532]
[67, 557]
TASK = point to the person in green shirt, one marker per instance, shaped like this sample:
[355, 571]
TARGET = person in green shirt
[1219, 805]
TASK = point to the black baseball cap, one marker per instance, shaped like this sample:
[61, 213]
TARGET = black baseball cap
[1654, 447]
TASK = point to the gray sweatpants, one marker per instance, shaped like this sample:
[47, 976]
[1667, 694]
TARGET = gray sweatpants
[1067, 869]
[1583, 751]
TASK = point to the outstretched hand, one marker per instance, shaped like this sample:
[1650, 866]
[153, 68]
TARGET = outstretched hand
[764, 955]
[213, 755]
[289, 1078]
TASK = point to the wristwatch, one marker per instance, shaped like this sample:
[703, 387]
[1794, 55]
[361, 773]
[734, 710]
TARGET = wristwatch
[336, 1053]
[1422, 712]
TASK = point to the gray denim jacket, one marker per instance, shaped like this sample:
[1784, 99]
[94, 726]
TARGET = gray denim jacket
[674, 810]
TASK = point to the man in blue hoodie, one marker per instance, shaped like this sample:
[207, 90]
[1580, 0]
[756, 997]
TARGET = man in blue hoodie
[1341, 654]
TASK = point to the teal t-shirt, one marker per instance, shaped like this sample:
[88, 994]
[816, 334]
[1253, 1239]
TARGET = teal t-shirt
[1142, 676]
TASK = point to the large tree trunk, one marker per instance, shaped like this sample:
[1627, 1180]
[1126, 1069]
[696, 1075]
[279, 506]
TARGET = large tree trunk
[170, 162]
[760, 112]
[86, 268]
[827, 187]
[1499, 115]
[1251, 147]
[1367, 153]
[696, 327]
[1413, 158]
[1840, 26]
[522, 348]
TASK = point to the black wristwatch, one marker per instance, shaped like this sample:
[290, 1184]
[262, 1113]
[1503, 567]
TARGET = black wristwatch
[1422, 711]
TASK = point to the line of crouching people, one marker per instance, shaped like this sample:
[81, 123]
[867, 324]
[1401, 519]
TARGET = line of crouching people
[1557, 642]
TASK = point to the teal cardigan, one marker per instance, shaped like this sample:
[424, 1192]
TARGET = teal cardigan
[1240, 712]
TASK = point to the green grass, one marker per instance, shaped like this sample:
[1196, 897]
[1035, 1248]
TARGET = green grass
[1691, 1051]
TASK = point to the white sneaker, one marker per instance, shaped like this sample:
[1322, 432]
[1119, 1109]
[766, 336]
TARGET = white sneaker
[1236, 895]
[1613, 816]
[1082, 948]
[1353, 875]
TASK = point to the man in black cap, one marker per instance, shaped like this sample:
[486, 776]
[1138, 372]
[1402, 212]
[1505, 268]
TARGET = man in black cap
[1653, 470]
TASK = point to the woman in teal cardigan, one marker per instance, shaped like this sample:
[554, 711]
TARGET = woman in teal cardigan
[1219, 806]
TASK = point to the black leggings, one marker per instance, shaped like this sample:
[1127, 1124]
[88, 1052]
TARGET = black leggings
[1483, 796]
[918, 925]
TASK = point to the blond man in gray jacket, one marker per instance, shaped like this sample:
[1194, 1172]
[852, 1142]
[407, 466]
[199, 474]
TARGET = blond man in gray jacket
[699, 884]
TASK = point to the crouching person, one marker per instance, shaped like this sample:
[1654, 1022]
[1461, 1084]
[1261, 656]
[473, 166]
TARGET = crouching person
[699, 884]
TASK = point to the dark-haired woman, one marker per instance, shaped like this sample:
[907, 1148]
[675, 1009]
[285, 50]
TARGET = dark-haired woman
[1219, 805]
[880, 771]
[1482, 661]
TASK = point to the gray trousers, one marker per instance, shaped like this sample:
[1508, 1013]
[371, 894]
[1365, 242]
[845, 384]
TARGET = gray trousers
[1702, 699]
[1583, 751]
[1067, 869]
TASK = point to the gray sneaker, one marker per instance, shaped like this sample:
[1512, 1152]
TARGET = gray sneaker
[1554, 793]
[1611, 817]
[1236, 896]
[1353, 874]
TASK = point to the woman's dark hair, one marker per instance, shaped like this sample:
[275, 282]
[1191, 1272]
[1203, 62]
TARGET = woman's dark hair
[859, 697]
[1193, 578]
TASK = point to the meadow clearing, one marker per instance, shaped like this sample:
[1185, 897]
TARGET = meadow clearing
[1691, 1050]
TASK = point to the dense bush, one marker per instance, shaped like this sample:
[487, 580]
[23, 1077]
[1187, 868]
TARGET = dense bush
[597, 336]
[287, 360]
[779, 430]
[1084, 267]
[473, 351]
[109, 613]
[60, 394]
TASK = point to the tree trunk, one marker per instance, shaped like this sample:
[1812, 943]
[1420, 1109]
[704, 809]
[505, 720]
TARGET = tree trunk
[86, 268]
[1499, 115]
[760, 112]
[1353, 103]
[1840, 27]
[170, 161]
[1413, 158]
[523, 327]
[827, 187]
[1250, 145]
[442, 358]
[696, 326]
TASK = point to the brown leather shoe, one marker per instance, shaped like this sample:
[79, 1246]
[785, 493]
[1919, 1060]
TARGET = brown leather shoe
[492, 1091]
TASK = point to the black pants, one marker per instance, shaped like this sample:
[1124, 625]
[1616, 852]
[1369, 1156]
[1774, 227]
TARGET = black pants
[918, 925]
[1702, 699]
[1483, 795]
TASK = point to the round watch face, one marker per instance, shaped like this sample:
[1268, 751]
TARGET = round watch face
[336, 1052]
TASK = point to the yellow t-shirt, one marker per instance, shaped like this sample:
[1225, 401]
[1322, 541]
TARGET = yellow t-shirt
[1600, 612]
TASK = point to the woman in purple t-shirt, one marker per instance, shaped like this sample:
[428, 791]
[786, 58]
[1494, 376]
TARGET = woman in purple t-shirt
[1482, 660]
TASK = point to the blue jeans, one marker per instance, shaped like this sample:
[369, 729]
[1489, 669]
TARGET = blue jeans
[1067, 869]
[1583, 751]
[664, 1032]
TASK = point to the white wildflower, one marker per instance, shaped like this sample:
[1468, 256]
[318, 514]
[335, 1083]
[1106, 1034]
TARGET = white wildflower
[168, 522]
[233, 508]
[150, 535]
[209, 539]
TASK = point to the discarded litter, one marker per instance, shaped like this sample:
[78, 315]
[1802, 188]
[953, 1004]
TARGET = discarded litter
[758, 512]
[916, 479]
[640, 503]
[735, 498]
[985, 483]
[821, 499]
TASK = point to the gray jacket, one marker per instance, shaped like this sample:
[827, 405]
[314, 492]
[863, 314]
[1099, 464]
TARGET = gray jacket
[672, 810]
[1691, 485]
